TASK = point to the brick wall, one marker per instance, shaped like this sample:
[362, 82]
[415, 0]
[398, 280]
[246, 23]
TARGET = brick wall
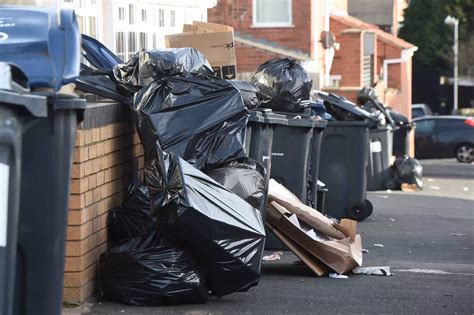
[386, 51]
[106, 155]
[238, 14]
[248, 58]
[348, 59]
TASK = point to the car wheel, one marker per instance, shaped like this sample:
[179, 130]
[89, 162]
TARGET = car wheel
[465, 153]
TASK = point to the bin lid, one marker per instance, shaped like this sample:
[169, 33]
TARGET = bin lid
[97, 54]
[256, 117]
[36, 105]
[320, 123]
[345, 105]
[300, 121]
[338, 123]
[41, 42]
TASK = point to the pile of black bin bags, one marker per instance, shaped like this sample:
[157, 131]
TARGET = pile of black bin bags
[183, 234]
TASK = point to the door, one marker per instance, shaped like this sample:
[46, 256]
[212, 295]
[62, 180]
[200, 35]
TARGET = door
[425, 139]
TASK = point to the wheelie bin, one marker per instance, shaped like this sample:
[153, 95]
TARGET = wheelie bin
[401, 140]
[290, 160]
[18, 110]
[343, 163]
[318, 129]
[380, 153]
[44, 43]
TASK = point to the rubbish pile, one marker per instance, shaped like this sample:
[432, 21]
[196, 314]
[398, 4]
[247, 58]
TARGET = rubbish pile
[184, 235]
[320, 242]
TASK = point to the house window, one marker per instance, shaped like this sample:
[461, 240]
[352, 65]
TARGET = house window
[121, 14]
[120, 45]
[143, 15]
[132, 44]
[272, 13]
[154, 40]
[131, 14]
[172, 18]
[161, 17]
[143, 40]
[93, 1]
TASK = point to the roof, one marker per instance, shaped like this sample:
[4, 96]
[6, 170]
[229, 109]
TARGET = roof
[382, 35]
[270, 46]
[378, 12]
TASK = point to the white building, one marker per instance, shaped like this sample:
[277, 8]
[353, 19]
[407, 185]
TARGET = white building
[125, 26]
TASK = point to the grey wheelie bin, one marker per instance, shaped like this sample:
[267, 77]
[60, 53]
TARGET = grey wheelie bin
[44, 44]
[17, 111]
[319, 126]
[401, 140]
[343, 163]
[290, 160]
[380, 153]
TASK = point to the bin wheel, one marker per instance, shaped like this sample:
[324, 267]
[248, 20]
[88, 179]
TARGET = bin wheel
[361, 210]
[391, 183]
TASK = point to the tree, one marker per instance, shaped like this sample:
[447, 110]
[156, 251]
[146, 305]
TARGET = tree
[424, 27]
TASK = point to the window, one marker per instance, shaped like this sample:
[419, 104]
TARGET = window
[132, 44]
[131, 14]
[69, 1]
[172, 18]
[143, 15]
[80, 22]
[93, 26]
[425, 126]
[121, 14]
[120, 45]
[143, 40]
[161, 17]
[93, 1]
[154, 40]
[272, 13]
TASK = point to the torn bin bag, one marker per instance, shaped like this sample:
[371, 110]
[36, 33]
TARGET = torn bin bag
[200, 118]
[285, 86]
[225, 232]
[147, 66]
[133, 217]
[148, 270]
[245, 178]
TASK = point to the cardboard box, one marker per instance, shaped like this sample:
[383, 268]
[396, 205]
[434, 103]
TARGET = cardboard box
[340, 255]
[215, 41]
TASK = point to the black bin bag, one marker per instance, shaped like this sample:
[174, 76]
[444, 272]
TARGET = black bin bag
[202, 119]
[245, 178]
[250, 94]
[225, 232]
[147, 66]
[133, 217]
[408, 170]
[149, 270]
[285, 86]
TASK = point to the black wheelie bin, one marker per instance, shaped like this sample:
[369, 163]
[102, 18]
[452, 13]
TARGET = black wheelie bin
[44, 43]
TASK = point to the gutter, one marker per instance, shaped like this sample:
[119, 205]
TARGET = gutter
[274, 50]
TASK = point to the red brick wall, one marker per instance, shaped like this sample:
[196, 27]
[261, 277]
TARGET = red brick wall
[105, 158]
[385, 51]
[238, 14]
[248, 58]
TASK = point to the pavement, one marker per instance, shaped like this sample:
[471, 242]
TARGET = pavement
[428, 242]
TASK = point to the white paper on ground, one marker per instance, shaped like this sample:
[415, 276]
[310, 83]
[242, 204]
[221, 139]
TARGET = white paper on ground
[337, 276]
[376, 271]
[4, 178]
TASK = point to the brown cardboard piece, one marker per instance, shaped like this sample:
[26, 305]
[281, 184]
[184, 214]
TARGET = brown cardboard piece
[214, 41]
[340, 255]
[309, 260]
[312, 217]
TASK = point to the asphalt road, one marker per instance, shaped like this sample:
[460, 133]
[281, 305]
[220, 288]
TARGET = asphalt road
[428, 240]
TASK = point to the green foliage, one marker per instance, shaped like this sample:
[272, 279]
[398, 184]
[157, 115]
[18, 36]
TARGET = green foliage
[424, 26]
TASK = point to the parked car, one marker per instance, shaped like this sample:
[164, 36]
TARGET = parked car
[420, 110]
[445, 137]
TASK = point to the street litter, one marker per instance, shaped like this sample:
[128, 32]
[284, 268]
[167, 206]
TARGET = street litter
[274, 256]
[458, 234]
[337, 276]
[133, 218]
[285, 86]
[378, 245]
[320, 242]
[434, 187]
[365, 251]
[465, 188]
[376, 271]
[392, 219]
